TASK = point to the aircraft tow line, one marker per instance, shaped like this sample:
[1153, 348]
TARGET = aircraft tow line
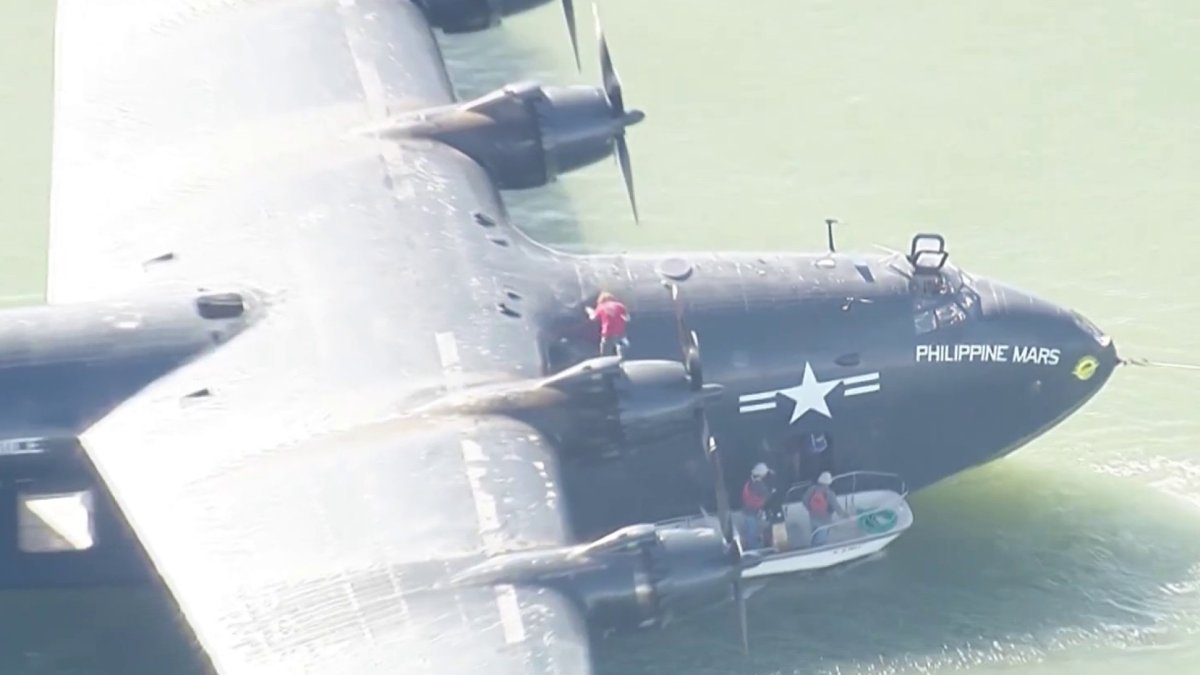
[1157, 364]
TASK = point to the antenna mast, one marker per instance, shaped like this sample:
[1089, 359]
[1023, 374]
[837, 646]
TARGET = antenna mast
[829, 223]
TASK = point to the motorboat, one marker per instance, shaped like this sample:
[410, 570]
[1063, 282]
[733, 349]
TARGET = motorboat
[793, 541]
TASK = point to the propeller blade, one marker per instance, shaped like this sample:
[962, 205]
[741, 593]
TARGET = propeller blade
[733, 539]
[622, 119]
[569, 12]
[723, 514]
[689, 342]
[608, 74]
[739, 597]
[622, 150]
[691, 362]
[685, 335]
[673, 290]
[742, 561]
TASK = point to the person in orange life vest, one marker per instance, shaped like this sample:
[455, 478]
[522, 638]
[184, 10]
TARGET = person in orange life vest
[822, 504]
[613, 317]
[755, 493]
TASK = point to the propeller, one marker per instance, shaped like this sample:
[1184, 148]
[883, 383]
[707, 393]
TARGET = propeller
[689, 343]
[623, 118]
[569, 13]
[739, 559]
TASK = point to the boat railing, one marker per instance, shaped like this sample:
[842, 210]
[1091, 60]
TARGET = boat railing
[848, 484]
[875, 521]
[853, 482]
[693, 520]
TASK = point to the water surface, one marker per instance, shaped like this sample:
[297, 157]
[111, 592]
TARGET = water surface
[1053, 145]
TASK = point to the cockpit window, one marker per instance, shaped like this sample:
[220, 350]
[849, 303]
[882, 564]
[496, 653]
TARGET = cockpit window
[942, 299]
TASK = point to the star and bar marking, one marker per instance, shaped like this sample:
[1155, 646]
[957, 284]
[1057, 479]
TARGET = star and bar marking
[811, 394]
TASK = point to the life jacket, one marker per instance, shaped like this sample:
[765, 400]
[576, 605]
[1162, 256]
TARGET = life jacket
[751, 501]
[817, 503]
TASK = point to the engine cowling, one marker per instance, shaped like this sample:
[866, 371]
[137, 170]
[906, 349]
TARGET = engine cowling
[467, 16]
[526, 135]
[655, 400]
[611, 407]
[636, 577]
[676, 574]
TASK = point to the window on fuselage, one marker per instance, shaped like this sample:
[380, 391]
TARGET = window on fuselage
[942, 299]
[55, 522]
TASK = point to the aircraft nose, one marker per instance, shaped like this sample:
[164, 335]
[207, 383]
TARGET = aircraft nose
[1007, 367]
[1061, 336]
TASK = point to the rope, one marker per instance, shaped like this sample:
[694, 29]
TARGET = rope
[1160, 364]
[877, 522]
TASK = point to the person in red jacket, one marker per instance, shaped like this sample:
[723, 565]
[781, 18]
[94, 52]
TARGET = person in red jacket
[613, 317]
[755, 493]
[823, 505]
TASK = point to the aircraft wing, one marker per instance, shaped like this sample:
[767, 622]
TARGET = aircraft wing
[330, 555]
[300, 518]
[162, 101]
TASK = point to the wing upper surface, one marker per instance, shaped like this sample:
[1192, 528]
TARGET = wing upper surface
[376, 294]
[296, 514]
[330, 555]
[161, 99]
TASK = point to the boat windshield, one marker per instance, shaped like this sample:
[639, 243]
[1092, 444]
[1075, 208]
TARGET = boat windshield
[943, 299]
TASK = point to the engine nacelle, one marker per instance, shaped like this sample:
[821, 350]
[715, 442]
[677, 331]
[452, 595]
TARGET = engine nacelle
[467, 16]
[524, 134]
[682, 572]
[610, 406]
[656, 400]
[636, 577]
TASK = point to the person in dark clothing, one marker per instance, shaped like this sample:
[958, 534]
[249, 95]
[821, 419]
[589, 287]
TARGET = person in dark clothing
[813, 455]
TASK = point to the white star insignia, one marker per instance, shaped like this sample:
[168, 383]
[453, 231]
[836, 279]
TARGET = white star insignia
[809, 394]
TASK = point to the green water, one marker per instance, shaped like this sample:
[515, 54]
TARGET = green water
[1054, 144]
[26, 90]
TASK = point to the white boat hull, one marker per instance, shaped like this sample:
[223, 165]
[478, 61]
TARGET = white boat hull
[808, 560]
[846, 539]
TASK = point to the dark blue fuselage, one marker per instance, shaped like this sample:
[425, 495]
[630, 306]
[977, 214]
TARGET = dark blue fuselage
[922, 374]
